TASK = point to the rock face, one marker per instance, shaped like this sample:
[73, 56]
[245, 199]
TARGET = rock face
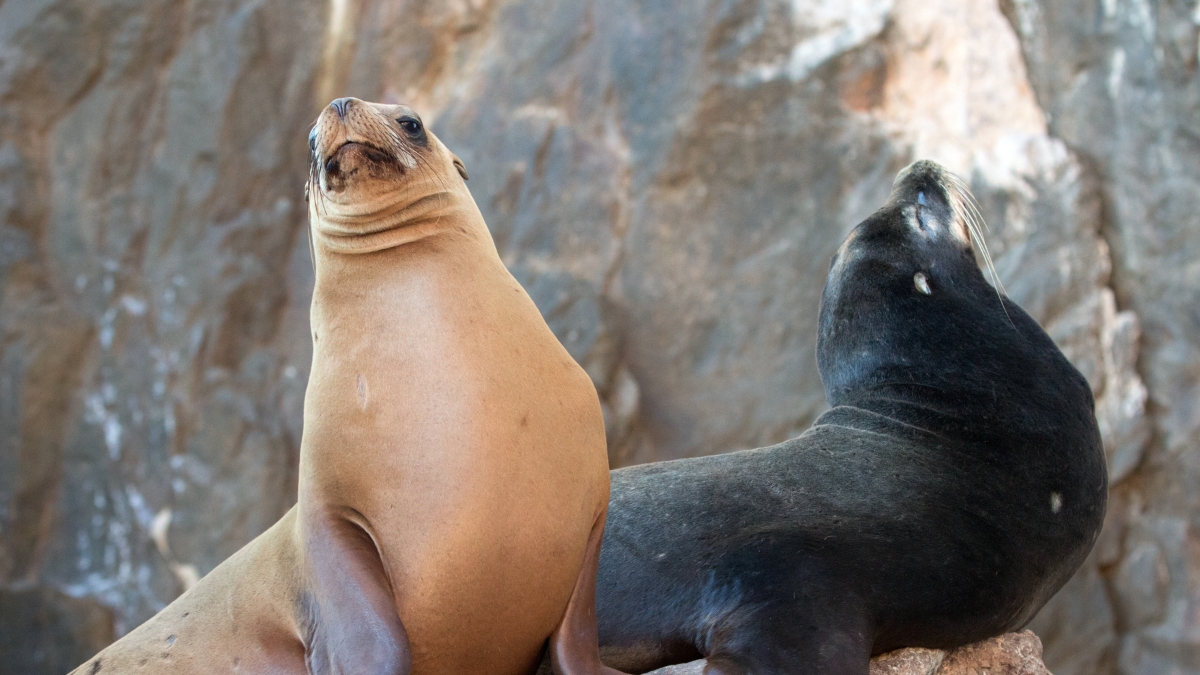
[668, 180]
[49, 632]
[1118, 81]
[1011, 654]
[153, 339]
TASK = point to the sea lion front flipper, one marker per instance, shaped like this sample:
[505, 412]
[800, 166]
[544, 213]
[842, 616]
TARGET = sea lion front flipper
[824, 632]
[575, 644]
[348, 616]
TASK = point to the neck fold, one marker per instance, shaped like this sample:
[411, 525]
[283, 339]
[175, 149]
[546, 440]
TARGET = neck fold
[366, 228]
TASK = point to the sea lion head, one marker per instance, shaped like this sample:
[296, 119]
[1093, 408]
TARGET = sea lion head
[376, 168]
[907, 315]
[913, 342]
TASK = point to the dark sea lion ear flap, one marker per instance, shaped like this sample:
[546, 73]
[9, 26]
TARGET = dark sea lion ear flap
[458, 164]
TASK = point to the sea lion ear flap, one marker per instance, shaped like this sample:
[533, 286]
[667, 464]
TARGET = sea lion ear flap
[458, 164]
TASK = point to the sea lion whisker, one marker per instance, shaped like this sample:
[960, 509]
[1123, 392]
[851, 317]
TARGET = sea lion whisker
[401, 153]
[429, 170]
[320, 185]
[966, 208]
[314, 188]
[323, 181]
[442, 180]
[398, 149]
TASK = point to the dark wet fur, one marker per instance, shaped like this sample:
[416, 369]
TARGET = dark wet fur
[916, 512]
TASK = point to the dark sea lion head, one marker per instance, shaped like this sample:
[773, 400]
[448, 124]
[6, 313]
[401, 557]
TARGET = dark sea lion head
[908, 315]
[375, 166]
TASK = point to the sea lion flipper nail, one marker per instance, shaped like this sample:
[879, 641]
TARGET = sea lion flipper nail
[348, 614]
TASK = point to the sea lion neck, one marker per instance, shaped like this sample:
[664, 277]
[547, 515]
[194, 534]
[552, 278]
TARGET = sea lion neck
[392, 219]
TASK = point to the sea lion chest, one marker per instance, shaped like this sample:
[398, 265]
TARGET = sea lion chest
[443, 410]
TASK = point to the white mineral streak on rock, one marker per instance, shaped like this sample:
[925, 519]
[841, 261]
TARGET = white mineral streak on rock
[186, 574]
[106, 328]
[158, 531]
[1121, 405]
[1116, 73]
[338, 39]
[832, 28]
[826, 29]
[112, 436]
[134, 305]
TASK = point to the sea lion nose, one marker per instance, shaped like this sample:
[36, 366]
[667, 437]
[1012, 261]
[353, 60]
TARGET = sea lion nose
[341, 105]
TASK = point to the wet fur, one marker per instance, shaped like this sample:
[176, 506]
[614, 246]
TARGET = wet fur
[956, 483]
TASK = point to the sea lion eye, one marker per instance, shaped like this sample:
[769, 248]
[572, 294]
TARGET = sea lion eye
[410, 125]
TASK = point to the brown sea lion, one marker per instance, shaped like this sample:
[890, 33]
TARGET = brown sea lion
[453, 472]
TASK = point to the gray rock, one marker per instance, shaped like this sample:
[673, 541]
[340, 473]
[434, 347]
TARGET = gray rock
[44, 631]
[1141, 583]
[153, 279]
[1119, 86]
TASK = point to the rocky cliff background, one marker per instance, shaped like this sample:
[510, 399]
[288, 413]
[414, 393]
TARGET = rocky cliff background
[668, 179]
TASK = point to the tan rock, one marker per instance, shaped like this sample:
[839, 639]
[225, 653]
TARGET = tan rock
[914, 661]
[1011, 654]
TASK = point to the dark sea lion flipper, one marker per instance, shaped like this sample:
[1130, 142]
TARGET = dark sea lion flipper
[574, 645]
[783, 637]
[348, 615]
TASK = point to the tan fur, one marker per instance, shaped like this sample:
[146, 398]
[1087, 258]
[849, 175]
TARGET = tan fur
[453, 455]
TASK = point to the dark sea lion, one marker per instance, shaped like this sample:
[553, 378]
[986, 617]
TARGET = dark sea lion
[955, 485]
[453, 470]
